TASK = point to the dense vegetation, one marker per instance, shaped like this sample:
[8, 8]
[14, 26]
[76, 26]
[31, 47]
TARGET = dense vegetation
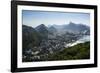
[79, 51]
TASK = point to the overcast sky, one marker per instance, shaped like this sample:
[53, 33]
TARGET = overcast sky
[35, 18]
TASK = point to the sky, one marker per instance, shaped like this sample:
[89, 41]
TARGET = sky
[35, 18]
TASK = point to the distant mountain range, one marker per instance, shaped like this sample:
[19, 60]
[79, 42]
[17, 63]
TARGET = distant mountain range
[72, 28]
[44, 32]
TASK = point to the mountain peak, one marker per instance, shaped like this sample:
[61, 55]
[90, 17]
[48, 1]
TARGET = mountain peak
[71, 23]
[41, 26]
[52, 28]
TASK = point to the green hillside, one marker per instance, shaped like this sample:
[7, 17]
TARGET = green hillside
[80, 51]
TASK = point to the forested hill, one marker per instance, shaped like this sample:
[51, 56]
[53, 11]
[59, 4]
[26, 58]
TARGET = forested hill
[79, 51]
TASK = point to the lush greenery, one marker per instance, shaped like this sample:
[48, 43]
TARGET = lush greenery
[80, 51]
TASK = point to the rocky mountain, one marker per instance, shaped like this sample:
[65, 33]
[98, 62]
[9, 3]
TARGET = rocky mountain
[30, 37]
[52, 29]
[42, 30]
[52, 32]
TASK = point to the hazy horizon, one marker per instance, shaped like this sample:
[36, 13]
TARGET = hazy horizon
[35, 18]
